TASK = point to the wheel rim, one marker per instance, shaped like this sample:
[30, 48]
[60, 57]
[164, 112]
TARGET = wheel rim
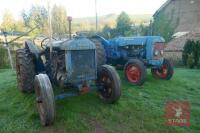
[40, 103]
[163, 72]
[133, 74]
[107, 85]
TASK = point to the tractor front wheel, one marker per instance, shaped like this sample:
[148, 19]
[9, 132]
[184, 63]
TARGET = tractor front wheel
[110, 84]
[166, 72]
[44, 99]
[135, 72]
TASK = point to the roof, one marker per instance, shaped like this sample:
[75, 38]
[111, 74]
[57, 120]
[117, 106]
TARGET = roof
[178, 43]
[179, 34]
[162, 7]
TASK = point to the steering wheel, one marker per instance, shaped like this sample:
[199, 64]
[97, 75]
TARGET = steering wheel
[45, 41]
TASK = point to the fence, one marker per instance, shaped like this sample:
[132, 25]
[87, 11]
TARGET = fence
[4, 59]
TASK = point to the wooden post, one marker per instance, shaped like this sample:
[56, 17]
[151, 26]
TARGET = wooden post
[96, 15]
[50, 28]
[69, 18]
[8, 48]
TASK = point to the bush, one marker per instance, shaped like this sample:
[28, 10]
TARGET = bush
[198, 65]
[123, 28]
[190, 61]
[3, 58]
[191, 53]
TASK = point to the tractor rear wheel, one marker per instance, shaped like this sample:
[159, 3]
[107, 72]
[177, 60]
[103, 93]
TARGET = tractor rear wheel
[135, 72]
[101, 54]
[44, 99]
[110, 84]
[166, 72]
[25, 70]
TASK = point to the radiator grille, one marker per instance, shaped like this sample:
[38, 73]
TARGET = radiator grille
[83, 65]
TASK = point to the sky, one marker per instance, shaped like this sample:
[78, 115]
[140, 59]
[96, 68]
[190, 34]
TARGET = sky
[85, 8]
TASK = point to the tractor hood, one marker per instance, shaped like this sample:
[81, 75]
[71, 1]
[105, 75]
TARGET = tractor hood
[79, 43]
[124, 41]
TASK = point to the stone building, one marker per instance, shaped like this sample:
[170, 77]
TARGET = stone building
[184, 17]
[186, 13]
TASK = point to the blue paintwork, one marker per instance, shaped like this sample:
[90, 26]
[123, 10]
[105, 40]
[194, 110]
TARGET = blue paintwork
[85, 51]
[79, 43]
[113, 51]
[157, 63]
[63, 95]
[80, 59]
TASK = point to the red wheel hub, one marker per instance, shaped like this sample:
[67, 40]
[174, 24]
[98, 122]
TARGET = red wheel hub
[133, 73]
[163, 72]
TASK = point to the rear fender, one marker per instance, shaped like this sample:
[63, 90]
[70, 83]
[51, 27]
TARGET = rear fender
[36, 54]
[101, 39]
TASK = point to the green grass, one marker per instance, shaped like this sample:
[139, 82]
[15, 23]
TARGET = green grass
[140, 109]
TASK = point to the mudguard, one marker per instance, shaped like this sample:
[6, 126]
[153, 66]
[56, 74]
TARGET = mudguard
[31, 47]
[36, 54]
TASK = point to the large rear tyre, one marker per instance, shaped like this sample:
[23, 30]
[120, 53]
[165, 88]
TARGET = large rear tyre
[25, 70]
[166, 72]
[44, 99]
[135, 72]
[110, 84]
[101, 54]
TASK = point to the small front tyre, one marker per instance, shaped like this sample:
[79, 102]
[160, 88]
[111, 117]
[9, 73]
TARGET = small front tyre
[135, 72]
[109, 84]
[44, 99]
[166, 72]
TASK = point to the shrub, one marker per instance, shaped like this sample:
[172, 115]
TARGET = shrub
[3, 58]
[191, 53]
[198, 65]
[190, 61]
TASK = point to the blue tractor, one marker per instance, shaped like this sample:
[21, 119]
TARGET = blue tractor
[77, 63]
[134, 54]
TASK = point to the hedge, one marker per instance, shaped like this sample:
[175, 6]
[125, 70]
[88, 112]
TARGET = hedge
[191, 53]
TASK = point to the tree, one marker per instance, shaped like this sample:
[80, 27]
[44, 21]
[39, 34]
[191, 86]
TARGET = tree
[19, 26]
[143, 30]
[124, 25]
[8, 23]
[107, 30]
[36, 16]
[164, 26]
[59, 20]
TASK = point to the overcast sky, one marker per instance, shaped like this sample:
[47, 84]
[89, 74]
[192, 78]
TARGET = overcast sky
[85, 8]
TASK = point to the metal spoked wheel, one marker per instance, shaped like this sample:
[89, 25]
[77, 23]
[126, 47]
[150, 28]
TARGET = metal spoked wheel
[44, 99]
[110, 84]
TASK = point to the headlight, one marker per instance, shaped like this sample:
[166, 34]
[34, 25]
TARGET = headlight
[156, 52]
[161, 52]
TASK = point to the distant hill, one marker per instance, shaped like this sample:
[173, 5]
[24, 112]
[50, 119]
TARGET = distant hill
[88, 23]
[110, 18]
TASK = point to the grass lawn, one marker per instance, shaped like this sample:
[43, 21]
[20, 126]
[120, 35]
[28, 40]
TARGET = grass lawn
[140, 109]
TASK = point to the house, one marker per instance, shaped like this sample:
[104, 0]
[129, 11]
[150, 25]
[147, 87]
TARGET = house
[183, 16]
